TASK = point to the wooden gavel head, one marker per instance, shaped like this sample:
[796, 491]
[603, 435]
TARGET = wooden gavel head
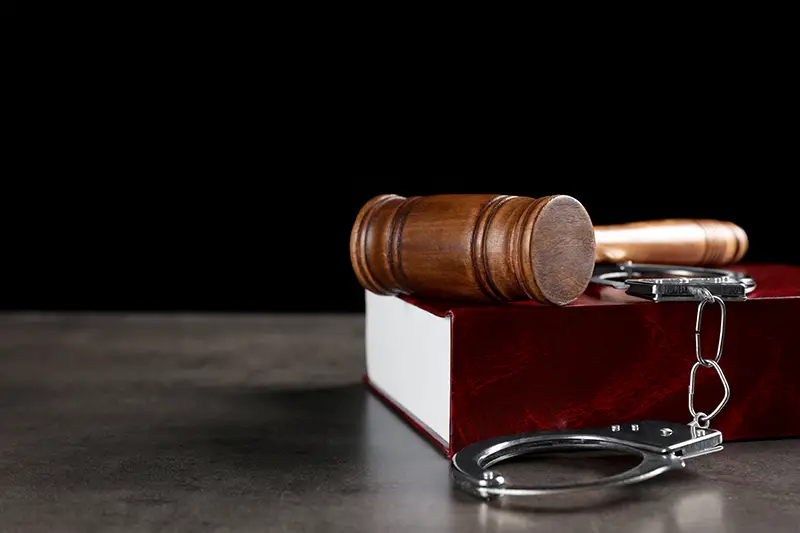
[476, 247]
[485, 247]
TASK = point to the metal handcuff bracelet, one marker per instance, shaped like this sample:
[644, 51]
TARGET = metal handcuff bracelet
[661, 445]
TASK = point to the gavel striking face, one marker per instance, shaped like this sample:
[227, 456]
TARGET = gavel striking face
[484, 248]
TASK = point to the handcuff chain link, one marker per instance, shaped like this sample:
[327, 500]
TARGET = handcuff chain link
[701, 419]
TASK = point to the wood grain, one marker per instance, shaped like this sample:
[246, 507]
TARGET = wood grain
[672, 241]
[487, 247]
[478, 247]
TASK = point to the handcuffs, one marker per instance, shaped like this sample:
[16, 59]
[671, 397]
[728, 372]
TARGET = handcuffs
[662, 446]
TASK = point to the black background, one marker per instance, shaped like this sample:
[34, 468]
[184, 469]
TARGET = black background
[203, 163]
[229, 247]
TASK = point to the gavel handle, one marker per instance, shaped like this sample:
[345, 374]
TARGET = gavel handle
[671, 241]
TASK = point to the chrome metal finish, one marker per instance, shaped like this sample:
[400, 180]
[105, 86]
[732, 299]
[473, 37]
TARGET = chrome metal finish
[673, 283]
[700, 421]
[699, 323]
[700, 417]
[662, 446]
[704, 289]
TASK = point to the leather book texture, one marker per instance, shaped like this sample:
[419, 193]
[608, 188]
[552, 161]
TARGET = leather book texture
[515, 367]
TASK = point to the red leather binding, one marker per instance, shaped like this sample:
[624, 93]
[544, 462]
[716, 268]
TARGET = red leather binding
[525, 366]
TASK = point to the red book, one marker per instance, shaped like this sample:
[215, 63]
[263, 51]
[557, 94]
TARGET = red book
[463, 372]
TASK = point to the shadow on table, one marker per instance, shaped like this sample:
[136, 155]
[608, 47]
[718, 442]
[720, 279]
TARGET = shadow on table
[324, 445]
[307, 456]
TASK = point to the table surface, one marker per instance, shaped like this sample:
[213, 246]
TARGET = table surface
[167, 422]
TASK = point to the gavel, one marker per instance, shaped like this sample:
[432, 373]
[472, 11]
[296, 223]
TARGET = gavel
[485, 247]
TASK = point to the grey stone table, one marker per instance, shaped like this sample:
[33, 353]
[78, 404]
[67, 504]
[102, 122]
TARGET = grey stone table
[261, 423]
